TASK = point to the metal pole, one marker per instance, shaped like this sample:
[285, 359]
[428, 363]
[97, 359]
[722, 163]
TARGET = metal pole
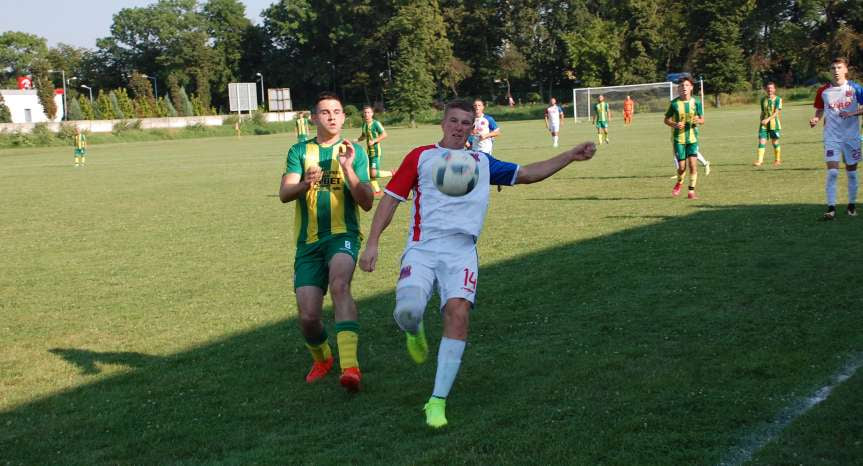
[263, 97]
[65, 114]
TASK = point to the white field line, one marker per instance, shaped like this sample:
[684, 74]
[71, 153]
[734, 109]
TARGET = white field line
[763, 435]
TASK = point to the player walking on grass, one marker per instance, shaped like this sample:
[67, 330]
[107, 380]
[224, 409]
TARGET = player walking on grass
[80, 142]
[373, 133]
[303, 125]
[684, 114]
[485, 129]
[327, 177]
[553, 119]
[601, 117]
[771, 111]
[628, 110]
[839, 103]
[441, 244]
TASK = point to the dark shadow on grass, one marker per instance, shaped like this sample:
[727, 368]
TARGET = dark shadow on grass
[592, 198]
[88, 361]
[620, 177]
[661, 344]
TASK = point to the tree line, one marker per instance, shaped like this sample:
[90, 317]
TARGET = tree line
[406, 54]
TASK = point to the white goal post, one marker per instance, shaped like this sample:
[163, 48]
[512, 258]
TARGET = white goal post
[649, 97]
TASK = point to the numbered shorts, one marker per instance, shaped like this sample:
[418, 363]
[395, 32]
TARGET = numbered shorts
[312, 264]
[450, 263]
[554, 126]
[682, 151]
[764, 133]
[601, 124]
[850, 149]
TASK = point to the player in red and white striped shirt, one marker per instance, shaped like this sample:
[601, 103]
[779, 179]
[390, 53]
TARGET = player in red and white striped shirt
[441, 243]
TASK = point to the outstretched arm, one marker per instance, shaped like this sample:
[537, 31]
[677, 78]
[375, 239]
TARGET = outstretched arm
[539, 171]
[383, 216]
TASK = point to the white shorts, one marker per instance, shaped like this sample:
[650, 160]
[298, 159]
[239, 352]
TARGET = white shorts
[554, 127]
[450, 263]
[850, 149]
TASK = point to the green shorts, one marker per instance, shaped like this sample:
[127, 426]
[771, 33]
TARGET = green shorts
[374, 162]
[764, 133]
[80, 152]
[682, 151]
[601, 124]
[312, 263]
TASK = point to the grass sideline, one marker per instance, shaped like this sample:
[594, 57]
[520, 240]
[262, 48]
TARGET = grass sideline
[149, 317]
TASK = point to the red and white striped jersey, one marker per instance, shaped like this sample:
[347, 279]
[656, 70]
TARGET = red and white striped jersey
[835, 99]
[435, 214]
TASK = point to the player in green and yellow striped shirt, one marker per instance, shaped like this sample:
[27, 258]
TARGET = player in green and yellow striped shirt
[303, 125]
[771, 111]
[684, 114]
[328, 178]
[601, 117]
[373, 133]
[80, 147]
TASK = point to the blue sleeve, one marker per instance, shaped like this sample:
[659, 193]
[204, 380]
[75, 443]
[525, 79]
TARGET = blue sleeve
[858, 90]
[501, 173]
[492, 125]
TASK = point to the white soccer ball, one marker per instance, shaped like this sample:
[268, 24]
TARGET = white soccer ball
[455, 172]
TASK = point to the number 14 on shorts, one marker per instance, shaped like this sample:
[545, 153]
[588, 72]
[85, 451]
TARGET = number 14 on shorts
[469, 280]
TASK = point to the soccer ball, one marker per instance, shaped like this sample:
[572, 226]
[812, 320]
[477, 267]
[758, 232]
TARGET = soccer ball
[455, 172]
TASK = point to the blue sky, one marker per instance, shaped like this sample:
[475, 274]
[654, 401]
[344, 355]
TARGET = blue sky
[79, 23]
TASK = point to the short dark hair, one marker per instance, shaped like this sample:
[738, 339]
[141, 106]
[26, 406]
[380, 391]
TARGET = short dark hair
[686, 78]
[367, 106]
[770, 83]
[478, 99]
[459, 104]
[327, 95]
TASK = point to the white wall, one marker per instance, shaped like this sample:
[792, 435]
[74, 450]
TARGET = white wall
[106, 126]
[19, 101]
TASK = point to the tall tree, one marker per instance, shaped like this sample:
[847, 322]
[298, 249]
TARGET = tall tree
[228, 29]
[19, 52]
[720, 55]
[5, 114]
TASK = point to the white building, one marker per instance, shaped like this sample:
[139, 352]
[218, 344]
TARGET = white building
[25, 107]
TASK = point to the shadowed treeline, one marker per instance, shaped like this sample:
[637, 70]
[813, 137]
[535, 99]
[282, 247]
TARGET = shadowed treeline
[662, 344]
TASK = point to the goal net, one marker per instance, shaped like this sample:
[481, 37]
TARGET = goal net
[651, 97]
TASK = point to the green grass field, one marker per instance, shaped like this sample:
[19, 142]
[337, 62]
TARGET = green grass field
[148, 314]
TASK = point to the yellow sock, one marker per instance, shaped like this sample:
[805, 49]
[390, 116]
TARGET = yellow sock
[693, 178]
[77, 160]
[777, 153]
[599, 137]
[83, 159]
[375, 186]
[319, 347]
[760, 154]
[347, 334]
[384, 174]
[680, 177]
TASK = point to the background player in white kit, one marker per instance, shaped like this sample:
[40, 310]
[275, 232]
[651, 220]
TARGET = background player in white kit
[553, 119]
[839, 103]
[441, 244]
[485, 129]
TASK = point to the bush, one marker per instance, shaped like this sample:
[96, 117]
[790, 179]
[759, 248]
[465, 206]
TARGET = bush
[351, 110]
[42, 135]
[259, 118]
[67, 132]
[231, 120]
[126, 125]
[533, 97]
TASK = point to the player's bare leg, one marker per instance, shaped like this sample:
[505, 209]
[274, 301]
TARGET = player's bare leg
[693, 176]
[681, 173]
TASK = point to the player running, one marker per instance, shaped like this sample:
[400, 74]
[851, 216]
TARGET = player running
[441, 243]
[485, 129]
[80, 142]
[771, 111]
[373, 133]
[684, 114]
[839, 104]
[553, 120]
[328, 178]
[601, 117]
[628, 110]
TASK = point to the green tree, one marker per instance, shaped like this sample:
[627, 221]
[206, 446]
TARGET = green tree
[174, 90]
[19, 52]
[5, 114]
[87, 111]
[75, 112]
[103, 108]
[228, 29]
[512, 64]
[185, 108]
[456, 72]
[412, 85]
[124, 103]
[594, 51]
[169, 109]
[45, 92]
[720, 56]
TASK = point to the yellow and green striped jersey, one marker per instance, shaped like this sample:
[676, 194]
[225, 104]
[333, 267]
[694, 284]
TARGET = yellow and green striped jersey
[371, 131]
[80, 141]
[327, 208]
[685, 111]
[768, 106]
[303, 124]
[600, 109]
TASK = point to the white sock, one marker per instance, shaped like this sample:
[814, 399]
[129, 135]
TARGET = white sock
[554, 140]
[852, 187]
[702, 159]
[832, 177]
[448, 362]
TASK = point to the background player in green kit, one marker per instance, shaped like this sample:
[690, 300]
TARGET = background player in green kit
[771, 111]
[327, 177]
[303, 125]
[601, 117]
[80, 147]
[684, 114]
[373, 133]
